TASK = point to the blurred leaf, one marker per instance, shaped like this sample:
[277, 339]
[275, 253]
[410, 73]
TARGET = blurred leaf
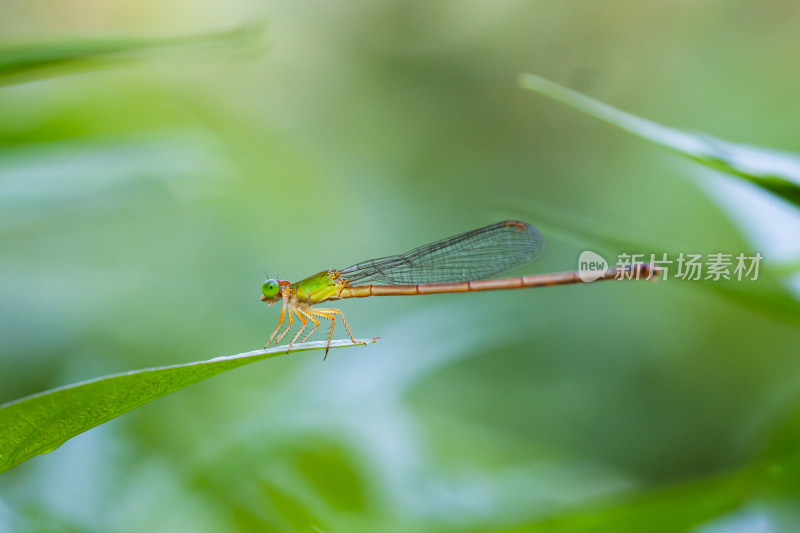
[50, 180]
[787, 268]
[42, 422]
[341, 485]
[702, 502]
[24, 62]
[773, 170]
[698, 503]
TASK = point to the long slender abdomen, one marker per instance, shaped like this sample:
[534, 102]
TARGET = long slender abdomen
[641, 272]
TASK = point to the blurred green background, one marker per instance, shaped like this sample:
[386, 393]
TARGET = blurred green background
[143, 196]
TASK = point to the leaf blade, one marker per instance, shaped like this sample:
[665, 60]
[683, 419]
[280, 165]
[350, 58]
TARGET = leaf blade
[772, 170]
[25, 62]
[42, 422]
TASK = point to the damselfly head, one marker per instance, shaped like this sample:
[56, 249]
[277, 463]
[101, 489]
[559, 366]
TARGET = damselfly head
[270, 290]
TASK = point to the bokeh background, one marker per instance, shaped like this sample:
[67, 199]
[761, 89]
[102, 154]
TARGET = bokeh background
[142, 199]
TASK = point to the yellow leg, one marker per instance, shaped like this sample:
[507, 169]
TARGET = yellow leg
[331, 314]
[282, 335]
[316, 325]
[343, 320]
[305, 323]
[280, 323]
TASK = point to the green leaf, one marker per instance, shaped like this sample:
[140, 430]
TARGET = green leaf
[42, 422]
[59, 181]
[722, 502]
[698, 501]
[772, 170]
[23, 62]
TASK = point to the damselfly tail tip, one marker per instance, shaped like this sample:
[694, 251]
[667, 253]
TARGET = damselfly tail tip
[646, 272]
[653, 273]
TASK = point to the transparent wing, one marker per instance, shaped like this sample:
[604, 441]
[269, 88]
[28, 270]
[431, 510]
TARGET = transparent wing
[476, 254]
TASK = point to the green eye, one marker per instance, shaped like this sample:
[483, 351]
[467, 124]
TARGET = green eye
[270, 288]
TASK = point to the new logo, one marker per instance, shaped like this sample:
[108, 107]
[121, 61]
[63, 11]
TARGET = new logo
[591, 266]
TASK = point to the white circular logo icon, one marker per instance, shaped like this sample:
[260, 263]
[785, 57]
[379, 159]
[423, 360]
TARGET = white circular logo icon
[591, 266]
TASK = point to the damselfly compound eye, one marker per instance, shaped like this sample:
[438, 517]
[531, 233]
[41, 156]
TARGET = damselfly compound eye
[270, 289]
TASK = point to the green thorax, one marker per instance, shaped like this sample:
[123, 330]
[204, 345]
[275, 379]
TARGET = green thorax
[319, 287]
